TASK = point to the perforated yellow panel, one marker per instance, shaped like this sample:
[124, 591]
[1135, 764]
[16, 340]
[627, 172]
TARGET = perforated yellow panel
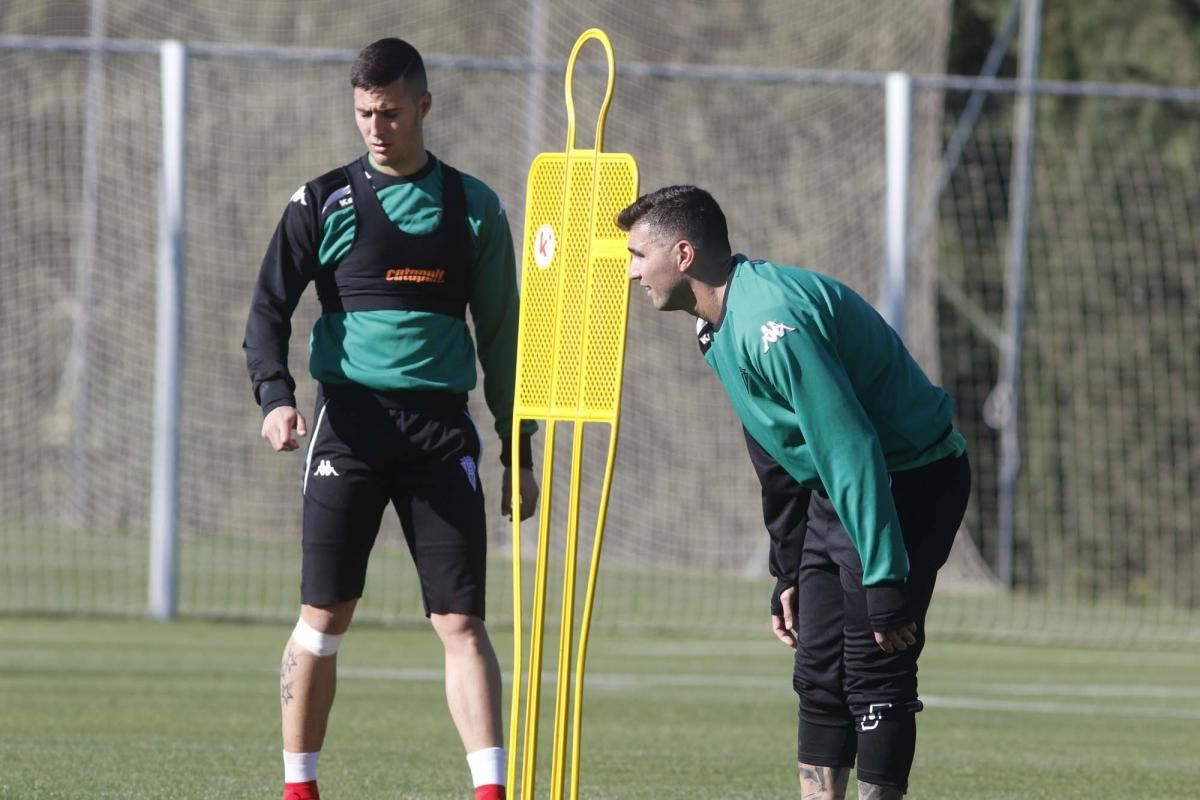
[570, 356]
[575, 286]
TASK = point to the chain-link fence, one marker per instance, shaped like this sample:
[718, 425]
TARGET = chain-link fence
[725, 100]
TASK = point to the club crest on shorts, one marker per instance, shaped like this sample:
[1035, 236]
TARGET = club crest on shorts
[468, 465]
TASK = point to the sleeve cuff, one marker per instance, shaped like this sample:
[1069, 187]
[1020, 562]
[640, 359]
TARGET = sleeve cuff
[887, 607]
[780, 586]
[524, 448]
[272, 394]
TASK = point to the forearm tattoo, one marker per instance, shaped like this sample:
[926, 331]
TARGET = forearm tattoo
[871, 791]
[823, 783]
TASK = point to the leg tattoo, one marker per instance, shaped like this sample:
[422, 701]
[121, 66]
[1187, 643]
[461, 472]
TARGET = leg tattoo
[285, 668]
[823, 783]
[289, 662]
[871, 791]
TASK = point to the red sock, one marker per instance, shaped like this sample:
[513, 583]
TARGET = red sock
[304, 791]
[491, 791]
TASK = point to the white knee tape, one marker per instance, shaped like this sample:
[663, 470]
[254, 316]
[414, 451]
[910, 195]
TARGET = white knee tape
[315, 642]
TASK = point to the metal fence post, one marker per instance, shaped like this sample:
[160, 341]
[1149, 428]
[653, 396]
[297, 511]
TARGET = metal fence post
[899, 94]
[168, 352]
[1005, 401]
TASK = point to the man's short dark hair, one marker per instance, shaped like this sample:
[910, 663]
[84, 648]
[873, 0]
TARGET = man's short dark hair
[386, 61]
[688, 212]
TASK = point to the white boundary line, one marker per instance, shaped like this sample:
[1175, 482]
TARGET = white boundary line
[627, 682]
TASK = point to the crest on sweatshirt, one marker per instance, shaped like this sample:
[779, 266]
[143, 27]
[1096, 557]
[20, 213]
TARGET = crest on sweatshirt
[704, 335]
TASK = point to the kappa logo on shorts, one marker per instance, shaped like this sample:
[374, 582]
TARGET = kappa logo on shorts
[870, 720]
[325, 469]
[468, 465]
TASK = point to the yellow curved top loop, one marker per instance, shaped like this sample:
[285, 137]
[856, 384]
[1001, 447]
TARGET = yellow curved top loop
[602, 37]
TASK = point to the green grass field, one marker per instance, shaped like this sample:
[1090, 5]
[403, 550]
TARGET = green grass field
[134, 709]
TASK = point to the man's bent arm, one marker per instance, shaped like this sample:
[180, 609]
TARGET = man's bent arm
[849, 459]
[495, 308]
[287, 268]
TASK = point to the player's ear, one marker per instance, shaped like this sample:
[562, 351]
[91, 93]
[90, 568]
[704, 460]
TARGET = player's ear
[425, 103]
[685, 254]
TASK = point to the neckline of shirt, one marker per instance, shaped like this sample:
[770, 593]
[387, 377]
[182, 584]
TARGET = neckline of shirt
[735, 261]
[381, 179]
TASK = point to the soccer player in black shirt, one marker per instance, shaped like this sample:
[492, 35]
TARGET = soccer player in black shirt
[400, 246]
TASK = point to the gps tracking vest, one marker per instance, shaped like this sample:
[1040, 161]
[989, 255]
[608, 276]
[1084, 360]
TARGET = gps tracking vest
[387, 269]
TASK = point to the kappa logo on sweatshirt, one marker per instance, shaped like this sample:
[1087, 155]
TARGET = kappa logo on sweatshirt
[773, 331]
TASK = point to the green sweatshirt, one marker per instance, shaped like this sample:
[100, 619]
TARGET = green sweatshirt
[827, 388]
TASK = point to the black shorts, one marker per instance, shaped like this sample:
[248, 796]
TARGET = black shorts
[840, 671]
[838, 663]
[420, 451]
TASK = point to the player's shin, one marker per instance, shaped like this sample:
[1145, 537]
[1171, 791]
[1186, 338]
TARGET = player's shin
[825, 751]
[823, 783]
[886, 746]
[307, 680]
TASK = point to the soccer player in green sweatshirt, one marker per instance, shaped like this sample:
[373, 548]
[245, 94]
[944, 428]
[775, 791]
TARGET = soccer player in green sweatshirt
[864, 478]
[400, 246]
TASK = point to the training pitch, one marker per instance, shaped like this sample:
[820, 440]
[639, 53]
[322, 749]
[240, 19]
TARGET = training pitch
[133, 709]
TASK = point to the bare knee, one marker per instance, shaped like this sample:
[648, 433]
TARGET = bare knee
[334, 619]
[459, 630]
[320, 628]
